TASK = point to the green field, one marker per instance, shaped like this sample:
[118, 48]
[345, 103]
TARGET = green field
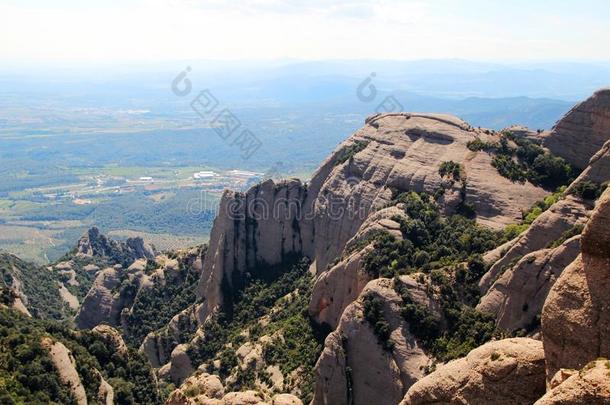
[41, 223]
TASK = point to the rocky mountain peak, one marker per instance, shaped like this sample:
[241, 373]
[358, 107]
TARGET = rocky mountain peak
[334, 221]
[392, 153]
[582, 131]
[94, 243]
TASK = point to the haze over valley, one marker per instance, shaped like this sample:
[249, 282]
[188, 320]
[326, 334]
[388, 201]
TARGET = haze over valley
[75, 141]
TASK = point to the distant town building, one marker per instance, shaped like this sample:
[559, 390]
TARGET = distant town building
[80, 201]
[244, 173]
[146, 178]
[205, 174]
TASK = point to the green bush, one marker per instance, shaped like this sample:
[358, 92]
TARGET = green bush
[421, 322]
[507, 167]
[451, 169]
[477, 145]
[464, 328]
[349, 151]
[551, 171]
[588, 190]
[373, 313]
[527, 150]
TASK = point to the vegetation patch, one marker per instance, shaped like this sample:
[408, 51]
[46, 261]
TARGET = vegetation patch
[155, 306]
[350, 151]
[279, 294]
[451, 169]
[38, 284]
[513, 230]
[27, 374]
[373, 313]
[429, 240]
[463, 328]
[521, 159]
[589, 190]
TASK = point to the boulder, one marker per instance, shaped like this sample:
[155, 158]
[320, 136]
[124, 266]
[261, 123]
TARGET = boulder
[591, 385]
[243, 398]
[180, 366]
[509, 371]
[200, 388]
[111, 337]
[285, 399]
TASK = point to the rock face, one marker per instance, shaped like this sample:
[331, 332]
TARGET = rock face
[105, 300]
[598, 170]
[66, 368]
[354, 367]
[105, 393]
[158, 345]
[11, 284]
[575, 317]
[115, 290]
[179, 367]
[548, 227]
[330, 219]
[70, 299]
[259, 226]
[517, 297]
[582, 131]
[112, 338]
[591, 385]
[93, 243]
[336, 288]
[570, 211]
[391, 152]
[100, 304]
[509, 371]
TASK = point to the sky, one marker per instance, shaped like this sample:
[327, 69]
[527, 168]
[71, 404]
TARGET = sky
[158, 30]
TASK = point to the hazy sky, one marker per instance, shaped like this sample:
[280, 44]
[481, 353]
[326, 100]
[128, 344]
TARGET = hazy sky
[65, 30]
